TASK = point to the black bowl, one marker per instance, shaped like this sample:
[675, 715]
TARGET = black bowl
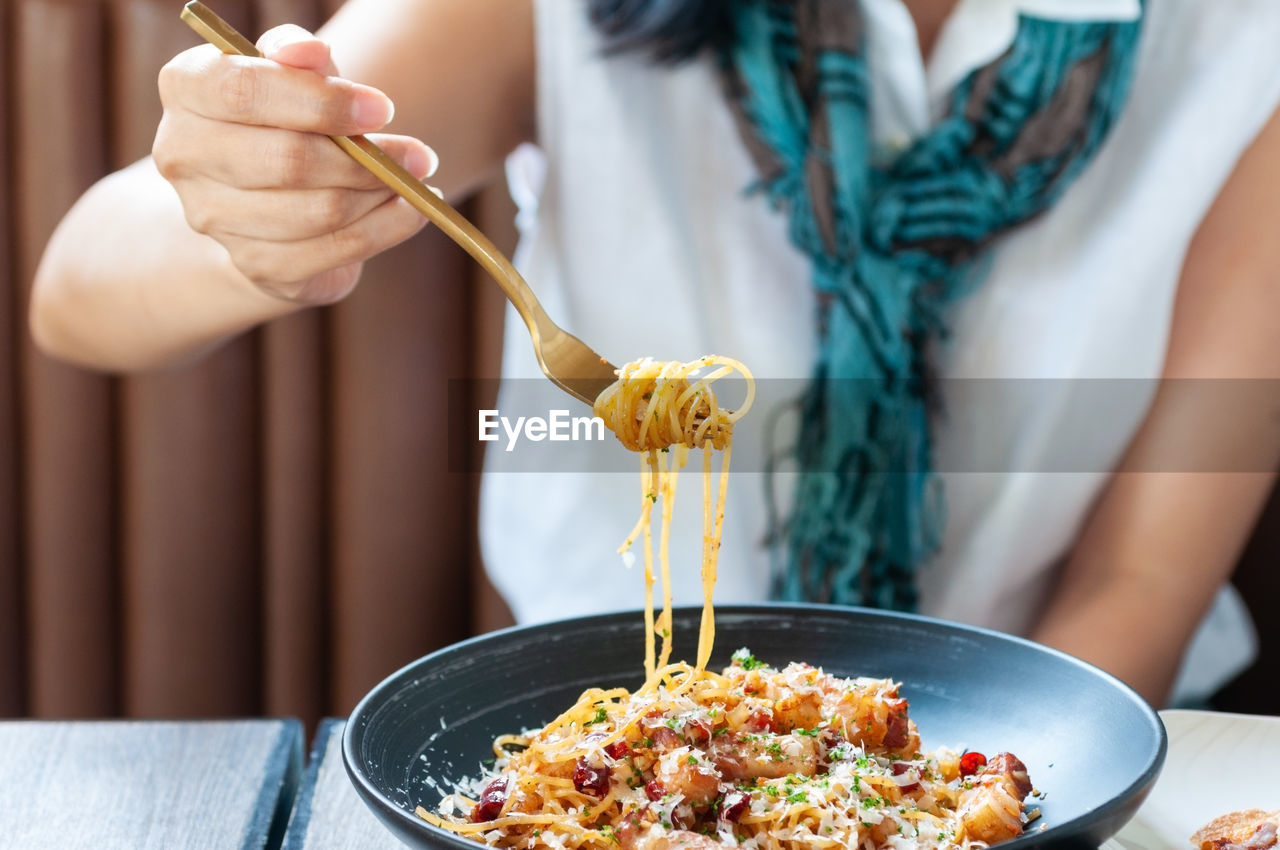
[1091, 744]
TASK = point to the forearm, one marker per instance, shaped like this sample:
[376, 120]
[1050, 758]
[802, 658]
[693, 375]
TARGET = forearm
[1162, 538]
[1146, 568]
[141, 290]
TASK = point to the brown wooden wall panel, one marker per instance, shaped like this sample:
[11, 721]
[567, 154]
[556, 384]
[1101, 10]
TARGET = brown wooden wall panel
[296, 562]
[192, 596]
[399, 571]
[11, 618]
[144, 34]
[67, 413]
[190, 464]
[304, 13]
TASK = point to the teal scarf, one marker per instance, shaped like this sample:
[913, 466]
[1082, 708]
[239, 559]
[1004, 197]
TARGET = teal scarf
[892, 245]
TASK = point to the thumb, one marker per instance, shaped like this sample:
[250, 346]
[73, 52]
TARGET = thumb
[291, 45]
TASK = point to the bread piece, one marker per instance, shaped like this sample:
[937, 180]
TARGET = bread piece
[1250, 829]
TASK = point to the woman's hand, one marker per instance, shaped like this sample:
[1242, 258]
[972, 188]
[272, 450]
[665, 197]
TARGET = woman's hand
[244, 143]
[127, 284]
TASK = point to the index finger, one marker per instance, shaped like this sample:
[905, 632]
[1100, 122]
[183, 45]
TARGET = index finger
[249, 90]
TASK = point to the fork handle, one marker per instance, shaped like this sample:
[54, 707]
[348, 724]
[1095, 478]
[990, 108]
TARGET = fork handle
[226, 38]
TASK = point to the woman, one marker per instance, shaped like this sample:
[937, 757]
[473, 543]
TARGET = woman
[1142, 254]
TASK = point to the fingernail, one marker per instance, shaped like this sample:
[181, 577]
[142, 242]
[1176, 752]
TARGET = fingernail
[279, 37]
[371, 109]
[420, 162]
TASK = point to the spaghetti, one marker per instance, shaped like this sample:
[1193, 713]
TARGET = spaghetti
[662, 410]
[752, 756]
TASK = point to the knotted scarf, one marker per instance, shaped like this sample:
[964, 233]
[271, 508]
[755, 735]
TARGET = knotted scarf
[893, 244]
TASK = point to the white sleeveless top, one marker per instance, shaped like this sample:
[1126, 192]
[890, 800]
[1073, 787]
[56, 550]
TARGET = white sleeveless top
[638, 237]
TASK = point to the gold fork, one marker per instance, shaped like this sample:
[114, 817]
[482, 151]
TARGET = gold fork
[569, 362]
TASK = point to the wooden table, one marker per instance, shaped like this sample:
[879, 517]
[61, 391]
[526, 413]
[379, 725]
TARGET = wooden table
[328, 813]
[178, 784]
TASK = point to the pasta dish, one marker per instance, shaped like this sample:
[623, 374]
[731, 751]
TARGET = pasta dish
[753, 756]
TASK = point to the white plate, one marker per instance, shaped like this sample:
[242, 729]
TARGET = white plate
[1217, 763]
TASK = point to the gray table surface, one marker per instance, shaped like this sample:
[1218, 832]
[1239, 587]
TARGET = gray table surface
[141, 784]
[329, 815]
[179, 784]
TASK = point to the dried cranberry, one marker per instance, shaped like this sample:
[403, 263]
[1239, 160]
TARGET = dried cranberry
[617, 750]
[734, 804]
[491, 801]
[971, 762]
[654, 790]
[591, 780]
[901, 767]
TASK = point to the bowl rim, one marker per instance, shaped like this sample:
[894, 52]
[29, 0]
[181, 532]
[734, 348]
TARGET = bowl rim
[353, 731]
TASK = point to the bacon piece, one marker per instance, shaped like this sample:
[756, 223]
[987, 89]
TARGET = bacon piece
[991, 810]
[660, 735]
[873, 715]
[1011, 770]
[684, 773]
[764, 756]
[676, 839]
[697, 730]
[897, 731]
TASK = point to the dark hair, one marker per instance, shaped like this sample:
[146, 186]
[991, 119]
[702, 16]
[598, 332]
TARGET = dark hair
[668, 31]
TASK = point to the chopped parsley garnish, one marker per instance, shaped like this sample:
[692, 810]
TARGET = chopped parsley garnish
[601, 717]
[746, 660]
